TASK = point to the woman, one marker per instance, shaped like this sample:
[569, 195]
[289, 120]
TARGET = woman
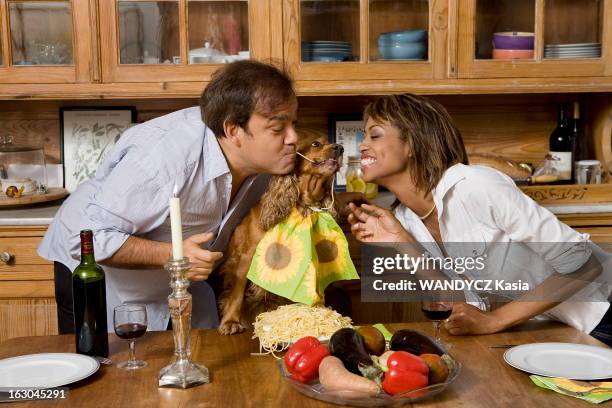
[413, 148]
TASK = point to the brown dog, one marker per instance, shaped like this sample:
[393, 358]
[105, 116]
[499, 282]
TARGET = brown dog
[308, 187]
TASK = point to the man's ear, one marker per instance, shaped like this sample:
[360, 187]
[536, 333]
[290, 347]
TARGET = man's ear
[233, 133]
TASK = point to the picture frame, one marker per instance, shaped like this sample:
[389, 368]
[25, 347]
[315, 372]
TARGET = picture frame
[87, 136]
[346, 129]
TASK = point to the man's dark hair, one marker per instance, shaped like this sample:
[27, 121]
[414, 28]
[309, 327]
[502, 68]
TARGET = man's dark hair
[241, 88]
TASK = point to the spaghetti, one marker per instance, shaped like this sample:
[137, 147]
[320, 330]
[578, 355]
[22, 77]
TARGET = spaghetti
[278, 329]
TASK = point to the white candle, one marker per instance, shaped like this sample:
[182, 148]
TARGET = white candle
[175, 224]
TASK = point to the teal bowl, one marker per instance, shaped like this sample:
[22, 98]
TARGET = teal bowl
[401, 51]
[407, 36]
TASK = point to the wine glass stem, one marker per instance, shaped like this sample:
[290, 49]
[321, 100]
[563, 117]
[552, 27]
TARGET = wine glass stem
[437, 325]
[132, 358]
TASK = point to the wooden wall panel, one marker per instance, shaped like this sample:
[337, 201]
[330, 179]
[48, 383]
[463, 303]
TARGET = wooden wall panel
[515, 126]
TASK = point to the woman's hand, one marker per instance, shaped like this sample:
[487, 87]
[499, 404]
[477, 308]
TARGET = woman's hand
[376, 224]
[468, 319]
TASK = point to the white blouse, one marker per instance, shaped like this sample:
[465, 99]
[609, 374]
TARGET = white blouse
[484, 212]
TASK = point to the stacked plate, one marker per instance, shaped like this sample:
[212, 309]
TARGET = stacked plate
[582, 50]
[326, 51]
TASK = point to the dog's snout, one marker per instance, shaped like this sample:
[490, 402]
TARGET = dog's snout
[338, 149]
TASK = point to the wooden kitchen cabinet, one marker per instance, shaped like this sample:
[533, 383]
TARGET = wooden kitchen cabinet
[146, 48]
[179, 40]
[552, 22]
[27, 295]
[359, 23]
[46, 42]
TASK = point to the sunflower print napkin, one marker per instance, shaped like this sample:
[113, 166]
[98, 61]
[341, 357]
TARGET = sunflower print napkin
[594, 391]
[299, 257]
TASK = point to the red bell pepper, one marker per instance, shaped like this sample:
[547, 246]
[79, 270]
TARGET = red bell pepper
[406, 372]
[303, 358]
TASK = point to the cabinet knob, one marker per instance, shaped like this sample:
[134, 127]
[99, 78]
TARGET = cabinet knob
[6, 257]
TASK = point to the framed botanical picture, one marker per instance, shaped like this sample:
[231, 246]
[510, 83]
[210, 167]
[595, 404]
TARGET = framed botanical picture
[87, 136]
[346, 129]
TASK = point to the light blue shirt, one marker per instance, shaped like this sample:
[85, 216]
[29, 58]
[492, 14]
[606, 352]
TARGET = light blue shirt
[129, 196]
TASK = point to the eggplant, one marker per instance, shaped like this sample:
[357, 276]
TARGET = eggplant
[349, 346]
[414, 342]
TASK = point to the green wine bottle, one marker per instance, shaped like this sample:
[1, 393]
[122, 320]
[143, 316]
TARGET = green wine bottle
[89, 294]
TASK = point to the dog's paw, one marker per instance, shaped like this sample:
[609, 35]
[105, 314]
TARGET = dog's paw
[228, 328]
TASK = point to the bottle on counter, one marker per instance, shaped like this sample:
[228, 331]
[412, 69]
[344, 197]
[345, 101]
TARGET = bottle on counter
[89, 297]
[561, 146]
[580, 141]
[355, 182]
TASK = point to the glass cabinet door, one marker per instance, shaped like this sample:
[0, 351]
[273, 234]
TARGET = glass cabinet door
[41, 42]
[573, 29]
[531, 38]
[40, 32]
[363, 39]
[505, 29]
[218, 31]
[148, 32]
[399, 30]
[180, 40]
[329, 30]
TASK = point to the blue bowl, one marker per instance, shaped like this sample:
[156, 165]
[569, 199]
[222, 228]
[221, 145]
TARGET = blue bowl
[414, 51]
[407, 36]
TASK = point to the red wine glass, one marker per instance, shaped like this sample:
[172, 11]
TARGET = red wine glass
[437, 311]
[130, 324]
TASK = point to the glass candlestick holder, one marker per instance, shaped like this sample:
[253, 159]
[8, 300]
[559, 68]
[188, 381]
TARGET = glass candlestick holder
[182, 373]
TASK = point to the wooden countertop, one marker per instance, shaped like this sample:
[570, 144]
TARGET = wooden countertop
[242, 380]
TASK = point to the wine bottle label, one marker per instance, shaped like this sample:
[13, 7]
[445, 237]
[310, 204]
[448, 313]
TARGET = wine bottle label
[563, 164]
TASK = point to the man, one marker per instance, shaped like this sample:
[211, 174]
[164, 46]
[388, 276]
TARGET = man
[213, 154]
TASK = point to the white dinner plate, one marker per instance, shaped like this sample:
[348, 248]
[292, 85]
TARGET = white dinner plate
[580, 45]
[565, 360]
[46, 370]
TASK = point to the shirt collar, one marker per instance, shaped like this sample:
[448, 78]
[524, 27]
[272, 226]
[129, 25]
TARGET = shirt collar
[450, 178]
[216, 164]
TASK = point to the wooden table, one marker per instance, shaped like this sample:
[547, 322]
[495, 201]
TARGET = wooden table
[242, 380]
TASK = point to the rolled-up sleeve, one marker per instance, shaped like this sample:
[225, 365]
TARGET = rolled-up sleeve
[523, 220]
[131, 200]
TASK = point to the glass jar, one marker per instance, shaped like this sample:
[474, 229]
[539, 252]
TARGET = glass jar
[22, 170]
[355, 182]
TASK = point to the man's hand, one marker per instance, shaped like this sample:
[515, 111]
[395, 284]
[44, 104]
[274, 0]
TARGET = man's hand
[468, 319]
[370, 223]
[202, 261]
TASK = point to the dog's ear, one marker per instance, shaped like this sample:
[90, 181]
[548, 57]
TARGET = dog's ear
[278, 201]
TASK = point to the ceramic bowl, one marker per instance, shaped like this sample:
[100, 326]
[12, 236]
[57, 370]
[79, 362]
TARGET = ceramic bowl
[396, 51]
[406, 36]
[513, 40]
[512, 54]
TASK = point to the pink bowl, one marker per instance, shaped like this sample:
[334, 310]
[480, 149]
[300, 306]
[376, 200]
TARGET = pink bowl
[512, 54]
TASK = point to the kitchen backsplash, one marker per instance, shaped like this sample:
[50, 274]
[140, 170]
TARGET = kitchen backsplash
[514, 126]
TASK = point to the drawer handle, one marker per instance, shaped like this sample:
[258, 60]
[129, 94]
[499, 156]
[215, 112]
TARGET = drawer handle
[6, 257]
